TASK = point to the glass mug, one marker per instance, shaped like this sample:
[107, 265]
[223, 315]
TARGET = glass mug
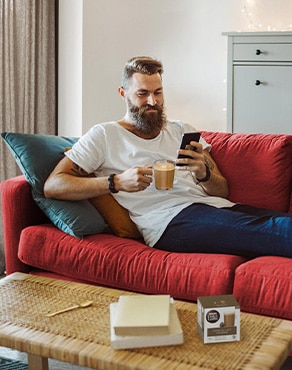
[164, 174]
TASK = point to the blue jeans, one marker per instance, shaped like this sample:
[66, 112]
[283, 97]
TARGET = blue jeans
[240, 230]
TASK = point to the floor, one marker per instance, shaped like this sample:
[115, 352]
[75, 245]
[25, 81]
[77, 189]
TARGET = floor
[53, 365]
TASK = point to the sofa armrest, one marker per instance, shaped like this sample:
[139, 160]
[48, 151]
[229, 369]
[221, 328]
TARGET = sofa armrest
[18, 211]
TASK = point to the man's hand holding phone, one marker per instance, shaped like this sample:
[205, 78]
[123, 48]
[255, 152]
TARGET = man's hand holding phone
[189, 145]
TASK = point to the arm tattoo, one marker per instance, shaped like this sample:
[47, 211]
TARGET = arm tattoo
[77, 170]
[209, 163]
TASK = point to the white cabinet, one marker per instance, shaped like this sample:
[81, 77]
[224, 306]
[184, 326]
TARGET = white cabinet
[259, 82]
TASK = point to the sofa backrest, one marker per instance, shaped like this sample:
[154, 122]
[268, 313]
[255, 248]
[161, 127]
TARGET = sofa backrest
[258, 167]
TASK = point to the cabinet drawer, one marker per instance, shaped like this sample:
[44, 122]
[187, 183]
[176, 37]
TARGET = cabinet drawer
[264, 107]
[263, 52]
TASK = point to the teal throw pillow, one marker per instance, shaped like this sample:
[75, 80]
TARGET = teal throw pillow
[37, 155]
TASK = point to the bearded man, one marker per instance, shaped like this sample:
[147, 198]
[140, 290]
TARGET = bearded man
[195, 216]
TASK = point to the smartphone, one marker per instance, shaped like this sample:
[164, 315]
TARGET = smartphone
[185, 141]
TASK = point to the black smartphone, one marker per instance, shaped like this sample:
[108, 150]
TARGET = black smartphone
[185, 141]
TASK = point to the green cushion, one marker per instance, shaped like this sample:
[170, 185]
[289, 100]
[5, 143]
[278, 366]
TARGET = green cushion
[37, 155]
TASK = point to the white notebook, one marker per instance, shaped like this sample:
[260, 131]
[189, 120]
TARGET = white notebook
[174, 336]
[142, 315]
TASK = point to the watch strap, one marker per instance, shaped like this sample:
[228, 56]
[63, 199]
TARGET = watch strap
[208, 175]
[111, 183]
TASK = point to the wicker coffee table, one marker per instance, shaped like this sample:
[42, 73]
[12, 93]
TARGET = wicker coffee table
[82, 336]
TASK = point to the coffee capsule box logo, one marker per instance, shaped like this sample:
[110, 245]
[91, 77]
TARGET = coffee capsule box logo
[212, 316]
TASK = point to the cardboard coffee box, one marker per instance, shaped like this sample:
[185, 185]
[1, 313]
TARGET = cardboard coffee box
[218, 318]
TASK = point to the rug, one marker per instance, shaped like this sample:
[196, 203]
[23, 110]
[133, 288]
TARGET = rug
[8, 364]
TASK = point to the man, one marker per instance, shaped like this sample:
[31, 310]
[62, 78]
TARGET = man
[195, 216]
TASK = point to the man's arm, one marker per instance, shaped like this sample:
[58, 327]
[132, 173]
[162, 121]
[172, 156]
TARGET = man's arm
[68, 181]
[216, 184]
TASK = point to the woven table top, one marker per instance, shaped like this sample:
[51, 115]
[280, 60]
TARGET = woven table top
[82, 336]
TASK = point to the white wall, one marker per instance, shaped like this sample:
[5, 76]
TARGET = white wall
[98, 36]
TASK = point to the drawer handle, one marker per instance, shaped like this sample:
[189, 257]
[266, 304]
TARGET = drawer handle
[258, 82]
[258, 52]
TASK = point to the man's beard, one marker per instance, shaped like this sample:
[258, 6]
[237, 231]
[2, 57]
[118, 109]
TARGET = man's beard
[147, 123]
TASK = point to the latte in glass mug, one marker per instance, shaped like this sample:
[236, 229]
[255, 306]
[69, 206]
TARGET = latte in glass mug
[164, 174]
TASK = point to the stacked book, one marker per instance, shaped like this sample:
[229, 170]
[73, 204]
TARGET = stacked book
[144, 321]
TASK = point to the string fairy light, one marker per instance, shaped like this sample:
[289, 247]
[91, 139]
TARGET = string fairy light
[249, 14]
[250, 11]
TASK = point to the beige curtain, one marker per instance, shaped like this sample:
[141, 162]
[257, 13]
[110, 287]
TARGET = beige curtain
[27, 73]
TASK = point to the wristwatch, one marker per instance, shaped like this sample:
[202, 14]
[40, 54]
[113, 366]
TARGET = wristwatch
[111, 183]
[208, 175]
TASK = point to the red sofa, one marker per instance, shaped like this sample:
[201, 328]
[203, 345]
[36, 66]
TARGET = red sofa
[258, 168]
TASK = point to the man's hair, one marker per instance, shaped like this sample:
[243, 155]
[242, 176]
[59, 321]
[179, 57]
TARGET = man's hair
[144, 65]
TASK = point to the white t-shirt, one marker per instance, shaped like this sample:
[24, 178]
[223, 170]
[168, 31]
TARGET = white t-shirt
[109, 148]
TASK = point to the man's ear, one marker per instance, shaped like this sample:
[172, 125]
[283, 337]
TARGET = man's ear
[121, 91]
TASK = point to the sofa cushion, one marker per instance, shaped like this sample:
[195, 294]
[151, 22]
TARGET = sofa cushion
[37, 155]
[258, 167]
[116, 216]
[127, 264]
[264, 286]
